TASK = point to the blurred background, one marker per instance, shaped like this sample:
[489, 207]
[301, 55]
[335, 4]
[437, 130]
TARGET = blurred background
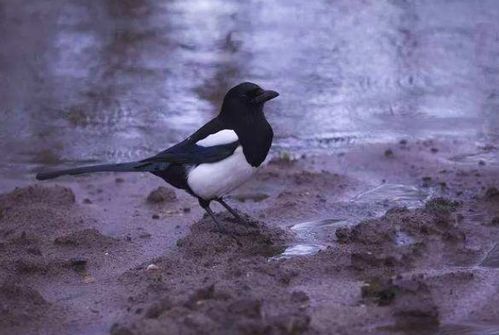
[85, 81]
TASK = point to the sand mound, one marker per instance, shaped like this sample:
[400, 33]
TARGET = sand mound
[254, 238]
[39, 210]
[20, 304]
[37, 194]
[87, 238]
[192, 293]
[22, 307]
[401, 237]
[43, 237]
[161, 195]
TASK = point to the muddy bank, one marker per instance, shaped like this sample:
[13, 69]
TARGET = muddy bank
[360, 242]
[407, 272]
[48, 248]
[216, 284]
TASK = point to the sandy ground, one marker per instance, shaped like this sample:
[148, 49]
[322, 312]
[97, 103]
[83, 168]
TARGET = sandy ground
[382, 239]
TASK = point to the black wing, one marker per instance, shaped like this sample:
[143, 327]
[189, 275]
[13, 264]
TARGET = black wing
[188, 152]
[193, 154]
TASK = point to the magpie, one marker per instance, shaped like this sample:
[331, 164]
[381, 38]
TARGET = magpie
[214, 160]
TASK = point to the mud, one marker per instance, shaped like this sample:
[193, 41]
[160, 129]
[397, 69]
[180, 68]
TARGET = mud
[227, 286]
[411, 249]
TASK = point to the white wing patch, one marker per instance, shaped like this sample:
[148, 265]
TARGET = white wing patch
[224, 136]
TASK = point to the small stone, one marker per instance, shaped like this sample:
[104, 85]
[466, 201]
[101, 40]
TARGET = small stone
[161, 194]
[495, 221]
[380, 291]
[119, 180]
[78, 264]
[152, 267]
[155, 216]
[250, 308]
[87, 201]
[434, 150]
[299, 296]
[441, 205]
[343, 234]
[492, 192]
[117, 329]
[388, 153]
[427, 181]
[186, 209]
[88, 279]
[34, 251]
[481, 162]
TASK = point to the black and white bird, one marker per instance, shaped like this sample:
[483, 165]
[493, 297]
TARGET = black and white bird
[217, 158]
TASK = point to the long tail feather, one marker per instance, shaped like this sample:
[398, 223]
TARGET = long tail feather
[122, 167]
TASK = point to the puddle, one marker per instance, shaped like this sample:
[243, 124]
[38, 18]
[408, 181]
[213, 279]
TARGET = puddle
[444, 329]
[492, 258]
[394, 195]
[468, 329]
[487, 157]
[311, 227]
[312, 236]
[302, 250]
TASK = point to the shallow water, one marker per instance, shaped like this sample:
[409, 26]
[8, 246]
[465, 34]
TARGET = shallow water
[394, 195]
[316, 235]
[445, 329]
[113, 80]
[492, 258]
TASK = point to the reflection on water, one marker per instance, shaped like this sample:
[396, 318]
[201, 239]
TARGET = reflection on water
[301, 250]
[394, 195]
[114, 80]
[492, 258]
[485, 156]
[313, 236]
[445, 329]
[469, 329]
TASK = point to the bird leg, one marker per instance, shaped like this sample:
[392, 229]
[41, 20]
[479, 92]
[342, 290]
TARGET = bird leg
[206, 206]
[234, 213]
[219, 226]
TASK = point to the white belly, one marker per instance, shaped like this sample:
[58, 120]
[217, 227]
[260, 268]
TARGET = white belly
[213, 180]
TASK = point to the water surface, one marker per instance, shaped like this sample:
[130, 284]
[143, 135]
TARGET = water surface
[113, 80]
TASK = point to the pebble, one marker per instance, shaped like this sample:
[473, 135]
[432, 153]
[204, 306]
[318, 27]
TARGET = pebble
[152, 267]
[88, 279]
[161, 194]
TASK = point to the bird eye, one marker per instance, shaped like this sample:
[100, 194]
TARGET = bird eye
[257, 92]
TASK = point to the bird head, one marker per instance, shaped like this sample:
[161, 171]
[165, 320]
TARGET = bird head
[245, 99]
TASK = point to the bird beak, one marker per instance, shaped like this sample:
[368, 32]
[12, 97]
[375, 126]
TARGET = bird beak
[265, 96]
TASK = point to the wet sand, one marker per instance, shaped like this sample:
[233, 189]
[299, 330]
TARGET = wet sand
[399, 238]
